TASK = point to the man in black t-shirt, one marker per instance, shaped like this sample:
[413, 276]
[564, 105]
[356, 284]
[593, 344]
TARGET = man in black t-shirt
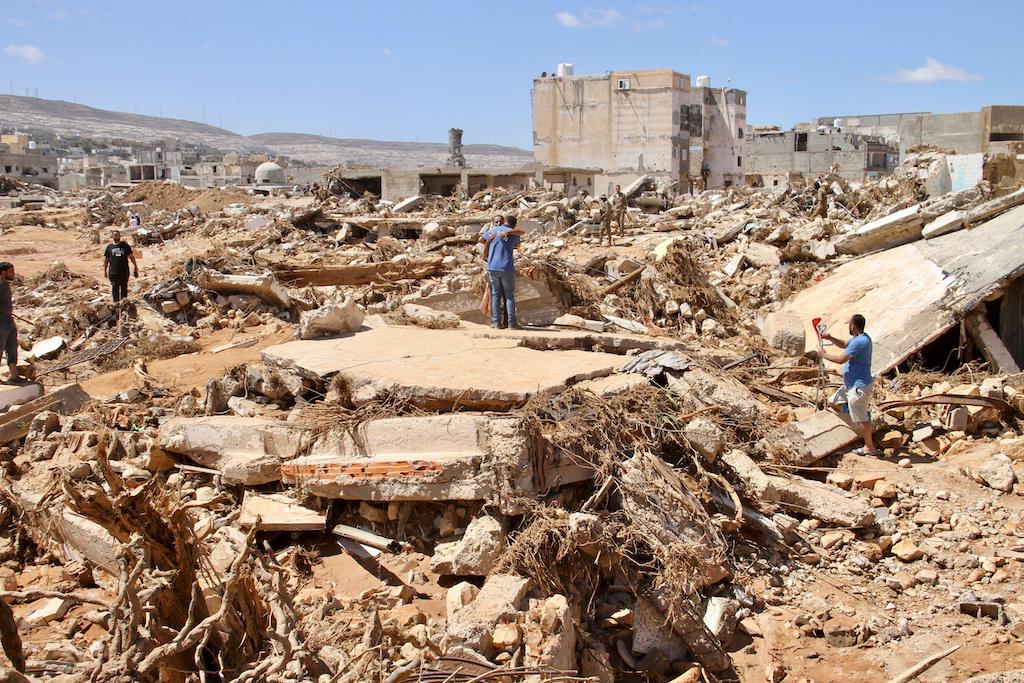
[115, 266]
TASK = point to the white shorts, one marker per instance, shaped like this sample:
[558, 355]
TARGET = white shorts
[857, 398]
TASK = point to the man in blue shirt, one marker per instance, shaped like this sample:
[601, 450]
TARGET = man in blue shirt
[857, 379]
[501, 270]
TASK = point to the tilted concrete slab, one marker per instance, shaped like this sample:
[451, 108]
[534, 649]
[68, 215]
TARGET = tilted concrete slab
[821, 434]
[911, 294]
[246, 450]
[897, 228]
[440, 368]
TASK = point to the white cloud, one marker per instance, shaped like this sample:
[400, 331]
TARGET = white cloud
[718, 41]
[652, 25]
[568, 19]
[932, 71]
[387, 51]
[591, 18]
[602, 18]
[30, 53]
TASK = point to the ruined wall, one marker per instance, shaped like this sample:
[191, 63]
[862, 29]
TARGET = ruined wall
[959, 132]
[774, 156]
[725, 123]
[592, 122]
[30, 168]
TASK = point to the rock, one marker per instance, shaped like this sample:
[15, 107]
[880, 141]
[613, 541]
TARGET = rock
[922, 433]
[506, 637]
[243, 407]
[783, 331]
[840, 479]
[575, 321]
[331, 320]
[927, 576]
[429, 317]
[705, 437]
[761, 255]
[54, 608]
[720, 618]
[906, 551]
[884, 489]
[832, 539]
[498, 601]
[651, 632]
[47, 348]
[550, 637]
[698, 388]
[891, 439]
[957, 419]
[927, 516]
[170, 306]
[997, 473]
[842, 631]
[475, 554]
[710, 326]
[458, 596]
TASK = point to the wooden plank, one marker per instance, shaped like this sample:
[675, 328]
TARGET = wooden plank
[64, 400]
[990, 344]
[279, 512]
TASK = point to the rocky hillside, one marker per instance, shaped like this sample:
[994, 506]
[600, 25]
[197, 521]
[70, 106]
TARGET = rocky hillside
[35, 115]
[320, 149]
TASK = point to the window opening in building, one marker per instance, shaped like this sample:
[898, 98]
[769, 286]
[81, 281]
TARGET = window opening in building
[739, 161]
[739, 133]
[800, 142]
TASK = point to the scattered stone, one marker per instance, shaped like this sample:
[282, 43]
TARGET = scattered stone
[475, 554]
[906, 551]
[997, 473]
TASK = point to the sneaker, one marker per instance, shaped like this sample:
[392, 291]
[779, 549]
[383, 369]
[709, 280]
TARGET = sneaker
[515, 326]
[864, 451]
[495, 326]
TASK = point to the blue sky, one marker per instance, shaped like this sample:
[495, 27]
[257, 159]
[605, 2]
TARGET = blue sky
[402, 70]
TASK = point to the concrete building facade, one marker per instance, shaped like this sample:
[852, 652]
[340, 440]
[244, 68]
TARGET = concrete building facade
[773, 155]
[629, 123]
[991, 130]
[22, 159]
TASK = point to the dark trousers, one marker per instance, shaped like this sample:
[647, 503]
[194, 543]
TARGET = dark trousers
[9, 340]
[119, 286]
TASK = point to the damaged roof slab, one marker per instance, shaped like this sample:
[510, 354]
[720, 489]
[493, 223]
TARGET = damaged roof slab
[911, 294]
[440, 368]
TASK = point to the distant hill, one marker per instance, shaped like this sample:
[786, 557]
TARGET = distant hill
[319, 149]
[31, 114]
[35, 115]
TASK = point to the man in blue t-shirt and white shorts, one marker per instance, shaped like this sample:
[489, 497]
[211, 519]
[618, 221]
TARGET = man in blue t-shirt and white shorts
[857, 379]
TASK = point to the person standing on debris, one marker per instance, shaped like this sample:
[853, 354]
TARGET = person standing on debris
[607, 213]
[134, 221]
[498, 221]
[857, 380]
[501, 270]
[619, 205]
[115, 266]
[8, 329]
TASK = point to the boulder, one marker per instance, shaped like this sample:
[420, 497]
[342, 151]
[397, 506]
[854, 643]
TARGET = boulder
[997, 473]
[783, 331]
[705, 437]
[499, 601]
[550, 636]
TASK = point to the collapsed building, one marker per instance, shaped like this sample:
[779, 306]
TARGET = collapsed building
[299, 454]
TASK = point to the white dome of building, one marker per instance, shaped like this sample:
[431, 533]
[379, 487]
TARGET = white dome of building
[269, 173]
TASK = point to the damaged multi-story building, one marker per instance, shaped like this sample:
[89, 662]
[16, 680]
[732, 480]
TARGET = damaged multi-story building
[629, 123]
[23, 159]
[776, 155]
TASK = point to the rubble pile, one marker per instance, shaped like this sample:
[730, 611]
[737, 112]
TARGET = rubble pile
[298, 453]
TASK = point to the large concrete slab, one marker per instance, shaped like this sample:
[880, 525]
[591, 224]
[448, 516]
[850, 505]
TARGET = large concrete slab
[913, 293]
[18, 394]
[460, 456]
[440, 368]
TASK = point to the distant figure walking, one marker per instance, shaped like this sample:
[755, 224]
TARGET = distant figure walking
[115, 266]
[8, 328]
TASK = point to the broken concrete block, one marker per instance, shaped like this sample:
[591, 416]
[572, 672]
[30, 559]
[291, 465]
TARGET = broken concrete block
[169, 306]
[906, 551]
[652, 632]
[997, 473]
[11, 395]
[408, 204]
[783, 331]
[475, 554]
[951, 221]
[550, 637]
[734, 264]
[706, 437]
[501, 598]
[47, 348]
[458, 596]
[812, 438]
[506, 637]
[330, 320]
[818, 499]
[279, 512]
[569, 320]
[700, 389]
[246, 451]
[720, 618]
[889, 231]
[761, 255]
[430, 317]
[54, 608]
[266, 287]
[63, 400]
